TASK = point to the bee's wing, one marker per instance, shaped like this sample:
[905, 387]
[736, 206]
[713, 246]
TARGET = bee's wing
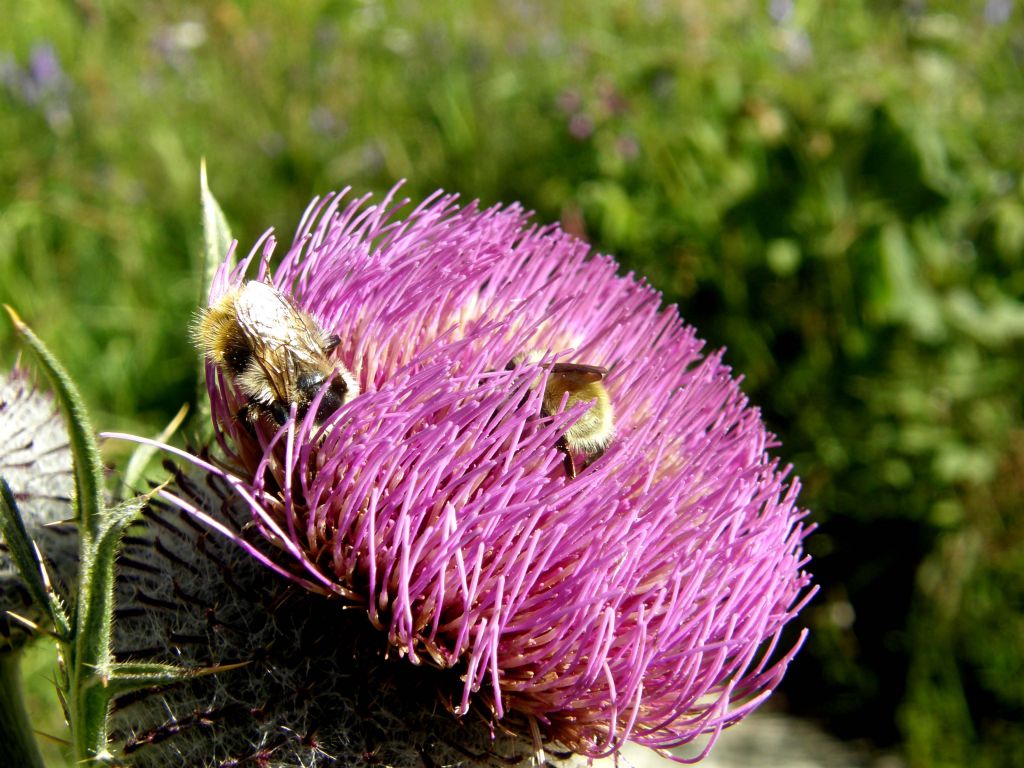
[264, 312]
[276, 364]
[282, 338]
[574, 376]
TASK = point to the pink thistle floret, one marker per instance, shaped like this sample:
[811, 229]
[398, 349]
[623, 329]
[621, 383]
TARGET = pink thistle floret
[642, 599]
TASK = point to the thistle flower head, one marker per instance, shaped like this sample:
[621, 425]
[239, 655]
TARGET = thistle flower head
[642, 599]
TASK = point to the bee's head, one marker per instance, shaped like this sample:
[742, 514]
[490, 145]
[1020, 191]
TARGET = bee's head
[341, 389]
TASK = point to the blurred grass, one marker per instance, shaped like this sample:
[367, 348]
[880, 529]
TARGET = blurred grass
[831, 190]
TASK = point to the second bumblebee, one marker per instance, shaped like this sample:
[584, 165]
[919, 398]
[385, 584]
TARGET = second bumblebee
[577, 383]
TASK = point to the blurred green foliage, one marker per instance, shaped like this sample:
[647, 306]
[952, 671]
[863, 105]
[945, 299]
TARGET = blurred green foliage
[831, 190]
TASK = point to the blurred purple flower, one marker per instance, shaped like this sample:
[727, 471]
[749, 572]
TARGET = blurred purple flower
[640, 600]
[569, 101]
[323, 123]
[41, 84]
[780, 10]
[176, 43]
[628, 147]
[612, 100]
[581, 127]
[797, 47]
[998, 12]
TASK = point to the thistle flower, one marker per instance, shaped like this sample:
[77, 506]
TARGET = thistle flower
[641, 600]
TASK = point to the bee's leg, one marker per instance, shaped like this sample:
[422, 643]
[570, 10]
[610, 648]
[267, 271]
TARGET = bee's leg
[278, 413]
[570, 465]
[591, 458]
[331, 343]
[248, 415]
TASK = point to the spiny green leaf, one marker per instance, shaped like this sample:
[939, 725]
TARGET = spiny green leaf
[125, 677]
[92, 657]
[97, 598]
[216, 232]
[216, 246]
[26, 559]
[97, 592]
[116, 520]
[87, 467]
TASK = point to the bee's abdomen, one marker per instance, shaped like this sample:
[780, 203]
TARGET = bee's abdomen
[219, 337]
[237, 354]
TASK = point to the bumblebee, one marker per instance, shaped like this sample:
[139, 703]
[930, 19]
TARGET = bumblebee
[276, 353]
[592, 432]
